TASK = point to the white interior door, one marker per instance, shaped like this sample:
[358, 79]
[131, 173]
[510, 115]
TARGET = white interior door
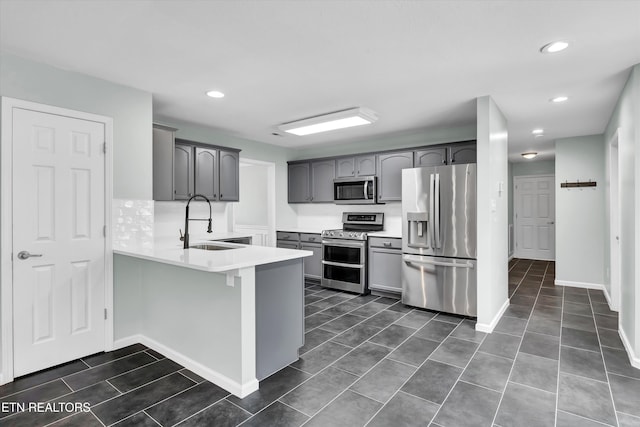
[58, 217]
[535, 217]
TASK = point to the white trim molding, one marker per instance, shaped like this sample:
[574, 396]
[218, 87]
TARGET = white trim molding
[584, 285]
[240, 390]
[634, 359]
[6, 222]
[489, 327]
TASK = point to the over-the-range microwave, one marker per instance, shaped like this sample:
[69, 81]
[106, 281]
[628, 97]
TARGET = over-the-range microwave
[358, 190]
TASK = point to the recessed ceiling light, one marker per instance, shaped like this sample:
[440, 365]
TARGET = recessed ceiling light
[215, 94]
[554, 47]
[529, 155]
[537, 131]
[558, 99]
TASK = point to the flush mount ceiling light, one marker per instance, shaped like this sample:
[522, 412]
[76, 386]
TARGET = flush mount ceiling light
[537, 131]
[529, 155]
[554, 47]
[331, 121]
[559, 99]
[215, 94]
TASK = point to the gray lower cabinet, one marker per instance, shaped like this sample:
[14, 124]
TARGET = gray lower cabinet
[183, 176]
[307, 242]
[385, 264]
[298, 183]
[229, 176]
[163, 146]
[390, 174]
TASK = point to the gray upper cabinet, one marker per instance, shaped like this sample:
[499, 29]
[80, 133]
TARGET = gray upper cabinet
[322, 175]
[431, 157]
[462, 153]
[200, 169]
[390, 174]
[163, 146]
[366, 165]
[298, 185]
[345, 167]
[206, 173]
[229, 183]
[183, 177]
[356, 166]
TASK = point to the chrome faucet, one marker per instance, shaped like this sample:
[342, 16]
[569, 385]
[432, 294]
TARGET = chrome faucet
[186, 221]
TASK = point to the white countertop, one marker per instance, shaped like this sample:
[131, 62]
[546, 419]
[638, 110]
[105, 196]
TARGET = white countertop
[170, 251]
[386, 233]
[299, 230]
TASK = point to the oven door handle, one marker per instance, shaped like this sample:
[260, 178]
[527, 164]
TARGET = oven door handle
[341, 264]
[358, 245]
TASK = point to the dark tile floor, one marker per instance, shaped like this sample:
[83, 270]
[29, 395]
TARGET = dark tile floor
[555, 359]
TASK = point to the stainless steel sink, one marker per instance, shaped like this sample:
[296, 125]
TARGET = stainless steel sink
[210, 247]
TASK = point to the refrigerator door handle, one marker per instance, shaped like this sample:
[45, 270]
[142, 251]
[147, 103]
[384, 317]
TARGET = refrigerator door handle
[421, 260]
[436, 213]
[431, 210]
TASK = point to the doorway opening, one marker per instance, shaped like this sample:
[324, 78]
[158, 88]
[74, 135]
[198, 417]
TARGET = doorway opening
[255, 213]
[614, 222]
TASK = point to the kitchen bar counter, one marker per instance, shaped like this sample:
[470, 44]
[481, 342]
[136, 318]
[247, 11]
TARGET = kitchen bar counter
[233, 316]
[170, 251]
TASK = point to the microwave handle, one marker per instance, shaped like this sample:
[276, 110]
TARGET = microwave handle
[366, 186]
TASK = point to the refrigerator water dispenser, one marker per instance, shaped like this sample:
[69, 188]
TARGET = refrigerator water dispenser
[418, 234]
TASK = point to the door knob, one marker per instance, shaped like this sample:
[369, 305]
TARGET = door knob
[551, 222]
[27, 255]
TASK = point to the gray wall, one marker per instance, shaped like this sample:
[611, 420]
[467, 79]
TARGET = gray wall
[492, 232]
[130, 109]
[580, 222]
[626, 119]
[252, 207]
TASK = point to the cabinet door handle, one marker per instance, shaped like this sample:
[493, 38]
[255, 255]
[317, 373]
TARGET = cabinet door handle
[388, 244]
[311, 239]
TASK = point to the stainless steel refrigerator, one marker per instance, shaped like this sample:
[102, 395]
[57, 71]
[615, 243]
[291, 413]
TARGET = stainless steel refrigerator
[439, 238]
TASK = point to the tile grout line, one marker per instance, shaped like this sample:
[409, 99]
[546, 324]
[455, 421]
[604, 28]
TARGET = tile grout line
[376, 364]
[144, 411]
[555, 415]
[604, 364]
[495, 416]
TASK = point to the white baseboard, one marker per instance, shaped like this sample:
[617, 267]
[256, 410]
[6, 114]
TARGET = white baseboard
[489, 327]
[634, 359]
[512, 256]
[584, 285]
[240, 390]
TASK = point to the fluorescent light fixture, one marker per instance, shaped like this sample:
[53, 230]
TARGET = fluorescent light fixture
[529, 155]
[215, 94]
[554, 47]
[558, 99]
[537, 131]
[332, 121]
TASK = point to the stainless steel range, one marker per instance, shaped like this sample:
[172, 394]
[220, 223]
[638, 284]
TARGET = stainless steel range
[344, 251]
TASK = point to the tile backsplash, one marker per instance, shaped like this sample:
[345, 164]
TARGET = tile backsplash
[132, 222]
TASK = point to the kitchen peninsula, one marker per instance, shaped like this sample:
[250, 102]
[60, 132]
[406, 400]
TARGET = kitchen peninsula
[233, 314]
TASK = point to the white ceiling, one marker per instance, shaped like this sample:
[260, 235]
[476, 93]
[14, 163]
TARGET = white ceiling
[418, 64]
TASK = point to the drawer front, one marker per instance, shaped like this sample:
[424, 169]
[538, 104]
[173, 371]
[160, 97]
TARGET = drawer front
[285, 235]
[286, 244]
[312, 238]
[385, 242]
